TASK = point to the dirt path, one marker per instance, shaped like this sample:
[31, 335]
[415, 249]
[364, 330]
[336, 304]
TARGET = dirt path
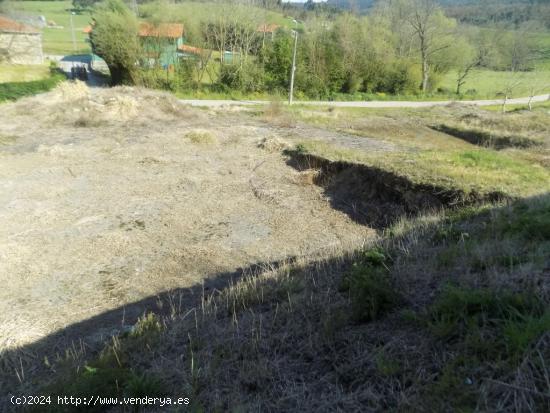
[372, 104]
[66, 63]
[106, 199]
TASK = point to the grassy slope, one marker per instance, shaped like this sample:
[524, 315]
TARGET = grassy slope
[16, 90]
[445, 312]
[426, 157]
[23, 73]
[58, 41]
[487, 84]
[441, 315]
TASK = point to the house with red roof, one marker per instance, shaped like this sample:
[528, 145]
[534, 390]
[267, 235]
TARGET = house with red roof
[267, 29]
[19, 43]
[161, 43]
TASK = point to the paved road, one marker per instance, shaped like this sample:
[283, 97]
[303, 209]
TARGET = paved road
[371, 104]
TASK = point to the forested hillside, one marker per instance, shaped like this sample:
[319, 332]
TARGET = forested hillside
[475, 11]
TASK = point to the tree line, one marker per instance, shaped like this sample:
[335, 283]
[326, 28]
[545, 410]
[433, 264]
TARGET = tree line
[400, 47]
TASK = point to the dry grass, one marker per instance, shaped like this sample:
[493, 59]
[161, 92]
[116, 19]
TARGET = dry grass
[7, 139]
[134, 209]
[293, 333]
[201, 137]
[308, 177]
[281, 337]
[276, 114]
[274, 144]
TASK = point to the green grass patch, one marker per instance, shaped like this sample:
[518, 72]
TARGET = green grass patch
[495, 239]
[528, 220]
[490, 333]
[105, 378]
[16, 90]
[371, 292]
[537, 106]
[488, 84]
[112, 373]
[477, 171]
[57, 40]
[459, 312]
[23, 73]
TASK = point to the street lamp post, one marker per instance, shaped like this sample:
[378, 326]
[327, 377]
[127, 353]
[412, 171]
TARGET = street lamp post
[72, 32]
[293, 70]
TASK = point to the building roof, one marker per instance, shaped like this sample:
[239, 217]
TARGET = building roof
[267, 28]
[191, 49]
[167, 30]
[12, 26]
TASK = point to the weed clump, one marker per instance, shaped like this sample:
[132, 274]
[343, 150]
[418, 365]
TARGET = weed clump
[201, 137]
[490, 321]
[490, 334]
[371, 292]
[88, 122]
[273, 144]
[7, 139]
[148, 325]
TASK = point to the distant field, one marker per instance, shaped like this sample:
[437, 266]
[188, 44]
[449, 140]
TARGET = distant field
[23, 73]
[543, 40]
[192, 12]
[487, 84]
[58, 41]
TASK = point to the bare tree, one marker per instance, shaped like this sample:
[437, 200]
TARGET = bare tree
[508, 89]
[431, 28]
[535, 89]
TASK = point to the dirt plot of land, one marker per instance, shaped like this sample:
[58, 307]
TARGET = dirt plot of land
[110, 196]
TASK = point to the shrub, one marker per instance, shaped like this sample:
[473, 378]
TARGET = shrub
[244, 77]
[369, 287]
[202, 137]
[506, 322]
[144, 386]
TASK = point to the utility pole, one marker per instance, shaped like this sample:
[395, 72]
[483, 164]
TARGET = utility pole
[72, 32]
[293, 70]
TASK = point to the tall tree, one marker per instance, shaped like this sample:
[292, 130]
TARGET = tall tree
[432, 31]
[115, 39]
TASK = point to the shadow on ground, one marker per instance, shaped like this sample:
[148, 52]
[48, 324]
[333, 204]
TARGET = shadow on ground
[527, 220]
[93, 332]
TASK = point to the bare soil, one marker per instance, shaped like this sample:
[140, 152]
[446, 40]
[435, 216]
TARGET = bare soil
[104, 200]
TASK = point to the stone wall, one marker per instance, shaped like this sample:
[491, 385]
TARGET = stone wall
[21, 48]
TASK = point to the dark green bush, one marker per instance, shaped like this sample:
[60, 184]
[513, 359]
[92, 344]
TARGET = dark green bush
[16, 90]
[496, 323]
[243, 77]
[371, 292]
